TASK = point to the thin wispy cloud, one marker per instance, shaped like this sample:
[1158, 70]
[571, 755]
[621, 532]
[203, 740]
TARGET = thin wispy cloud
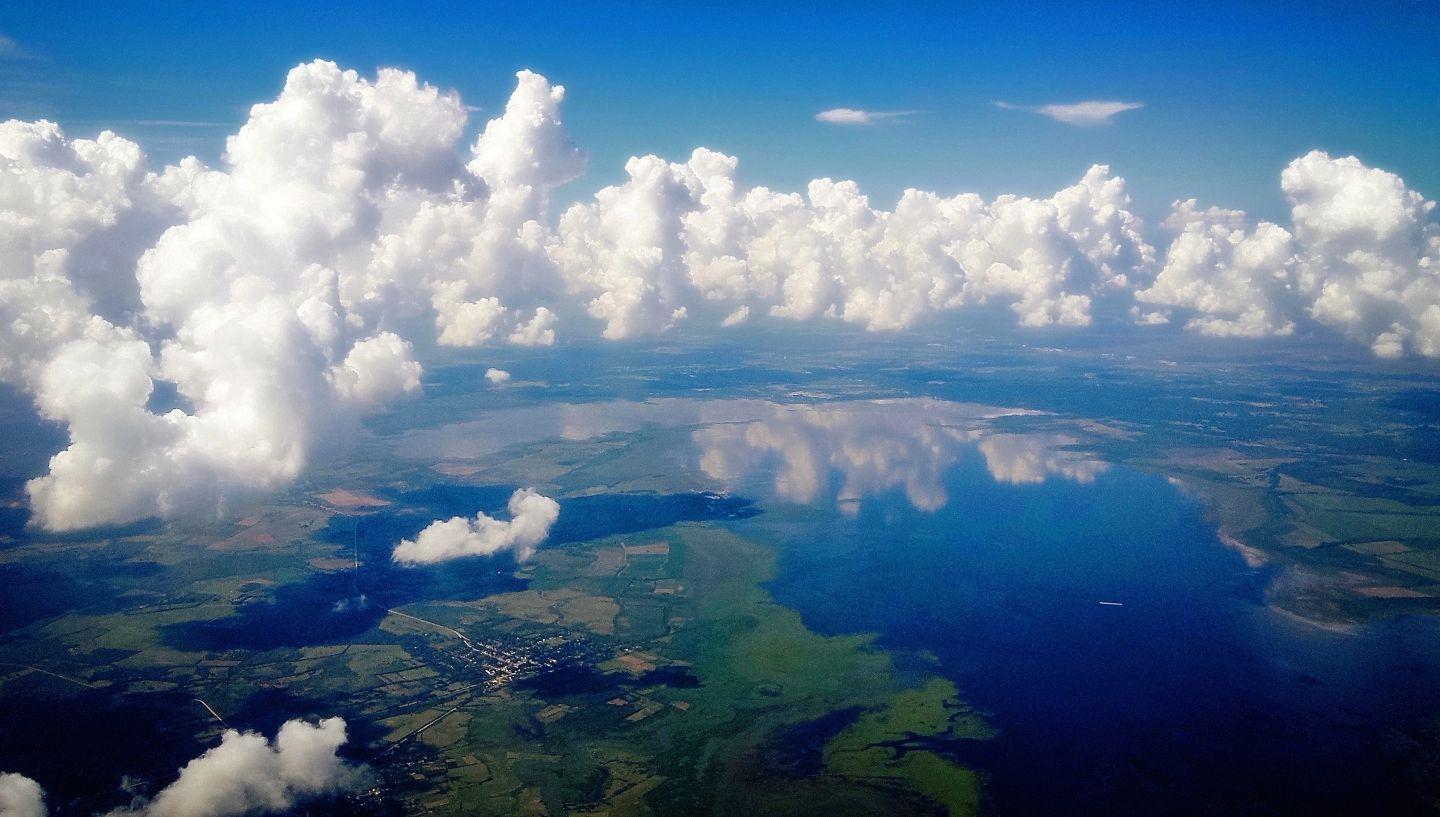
[24, 88]
[12, 50]
[172, 123]
[1088, 113]
[858, 116]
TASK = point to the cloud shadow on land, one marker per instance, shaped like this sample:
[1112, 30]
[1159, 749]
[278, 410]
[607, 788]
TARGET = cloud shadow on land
[69, 747]
[331, 608]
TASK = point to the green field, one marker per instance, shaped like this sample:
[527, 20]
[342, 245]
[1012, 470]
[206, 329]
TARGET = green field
[707, 749]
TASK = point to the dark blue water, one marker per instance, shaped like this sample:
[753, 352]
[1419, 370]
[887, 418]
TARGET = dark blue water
[1191, 698]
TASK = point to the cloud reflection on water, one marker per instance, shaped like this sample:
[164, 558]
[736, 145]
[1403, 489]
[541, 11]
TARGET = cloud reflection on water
[879, 446]
[791, 451]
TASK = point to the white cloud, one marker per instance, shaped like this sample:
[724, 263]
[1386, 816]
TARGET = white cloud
[497, 376]
[377, 368]
[293, 287]
[1238, 282]
[1363, 257]
[856, 116]
[21, 797]
[274, 293]
[684, 238]
[528, 148]
[244, 305]
[737, 317]
[245, 776]
[1090, 112]
[538, 331]
[1369, 253]
[531, 516]
[249, 775]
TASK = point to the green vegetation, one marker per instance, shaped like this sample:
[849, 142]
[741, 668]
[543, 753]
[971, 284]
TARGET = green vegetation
[1358, 538]
[779, 719]
[879, 746]
[632, 748]
[761, 669]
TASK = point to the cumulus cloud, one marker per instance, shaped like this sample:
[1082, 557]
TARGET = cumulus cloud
[298, 284]
[1090, 112]
[1362, 257]
[1369, 253]
[857, 116]
[531, 516]
[249, 775]
[1237, 282]
[538, 331]
[275, 293]
[241, 300]
[681, 238]
[21, 797]
[497, 376]
[245, 775]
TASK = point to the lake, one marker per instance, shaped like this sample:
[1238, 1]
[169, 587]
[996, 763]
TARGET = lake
[1126, 656]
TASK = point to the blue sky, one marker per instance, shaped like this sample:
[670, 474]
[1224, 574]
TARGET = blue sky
[1230, 94]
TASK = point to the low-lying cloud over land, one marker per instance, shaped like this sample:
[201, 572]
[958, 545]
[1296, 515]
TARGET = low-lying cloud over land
[245, 775]
[349, 229]
[21, 797]
[531, 517]
[249, 775]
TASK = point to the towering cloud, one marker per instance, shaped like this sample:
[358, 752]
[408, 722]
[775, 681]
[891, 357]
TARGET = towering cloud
[201, 332]
[21, 797]
[531, 517]
[1236, 282]
[68, 239]
[676, 237]
[1363, 257]
[273, 294]
[1369, 253]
